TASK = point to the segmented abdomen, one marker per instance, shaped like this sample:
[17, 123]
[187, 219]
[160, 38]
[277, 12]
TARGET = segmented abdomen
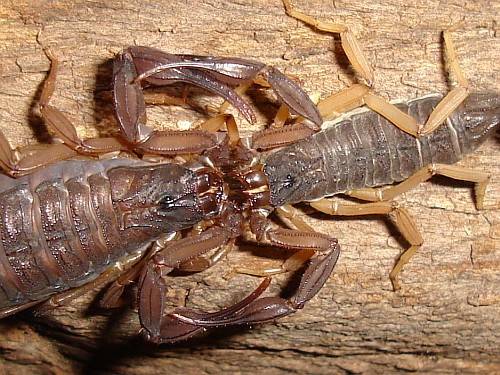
[366, 150]
[64, 225]
[50, 239]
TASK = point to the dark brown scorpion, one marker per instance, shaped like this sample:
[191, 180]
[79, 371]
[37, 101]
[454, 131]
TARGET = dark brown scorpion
[68, 226]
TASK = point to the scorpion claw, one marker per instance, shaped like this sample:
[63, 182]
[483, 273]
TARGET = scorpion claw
[316, 274]
[292, 96]
[212, 74]
[129, 101]
[185, 323]
[177, 327]
[216, 75]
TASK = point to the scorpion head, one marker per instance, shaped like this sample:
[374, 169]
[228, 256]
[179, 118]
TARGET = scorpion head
[481, 118]
[162, 195]
[296, 179]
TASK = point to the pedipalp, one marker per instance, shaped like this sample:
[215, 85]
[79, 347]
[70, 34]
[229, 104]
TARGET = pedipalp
[79, 223]
[217, 74]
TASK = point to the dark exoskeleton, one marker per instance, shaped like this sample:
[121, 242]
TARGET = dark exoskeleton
[366, 150]
[69, 226]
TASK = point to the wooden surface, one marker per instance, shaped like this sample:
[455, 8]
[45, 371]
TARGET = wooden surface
[446, 317]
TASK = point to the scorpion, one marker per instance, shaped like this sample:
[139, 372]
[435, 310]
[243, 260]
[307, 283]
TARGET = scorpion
[70, 225]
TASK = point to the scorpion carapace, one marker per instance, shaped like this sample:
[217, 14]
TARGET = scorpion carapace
[88, 216]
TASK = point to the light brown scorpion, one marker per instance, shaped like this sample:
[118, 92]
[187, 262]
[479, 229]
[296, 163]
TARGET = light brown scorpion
[75, 224]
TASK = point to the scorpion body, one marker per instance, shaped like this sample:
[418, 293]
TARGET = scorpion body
[69, 225]
[93, 214]
[363, 149]
[65, 225]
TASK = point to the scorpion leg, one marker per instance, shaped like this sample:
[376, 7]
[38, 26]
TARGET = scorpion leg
[442, 110]
[15, 164]
[350, 44]
[292, 218]
[12, 161]
[382, 204]
[215, 124]
[362, 94]
[480, 179]
[62, 126]
[107, 276]
[399, 216]
[15, 309]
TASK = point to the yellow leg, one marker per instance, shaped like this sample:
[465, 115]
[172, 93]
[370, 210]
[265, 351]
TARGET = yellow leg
[398, 215]
[453, 171]
[362, 94]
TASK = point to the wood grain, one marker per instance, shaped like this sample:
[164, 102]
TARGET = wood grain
[445, 318]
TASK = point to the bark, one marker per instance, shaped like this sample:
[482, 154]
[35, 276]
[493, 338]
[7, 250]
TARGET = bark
[445, 318]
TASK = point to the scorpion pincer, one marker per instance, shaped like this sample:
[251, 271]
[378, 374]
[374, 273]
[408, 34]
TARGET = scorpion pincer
[68, 226]
[74, 225]
[356, 155]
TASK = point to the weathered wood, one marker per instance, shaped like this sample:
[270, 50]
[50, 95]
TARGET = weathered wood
[445, 318]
